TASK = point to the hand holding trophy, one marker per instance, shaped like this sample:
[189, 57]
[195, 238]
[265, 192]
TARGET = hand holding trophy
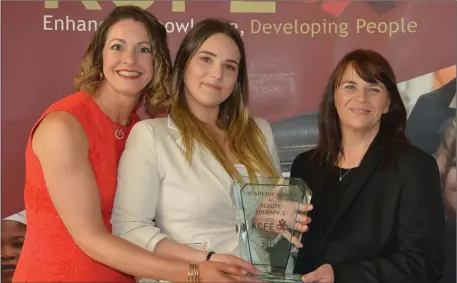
[272, 209]
[279, 216]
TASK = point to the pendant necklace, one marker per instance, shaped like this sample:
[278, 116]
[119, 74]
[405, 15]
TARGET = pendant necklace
[341, 177]
[118, 133]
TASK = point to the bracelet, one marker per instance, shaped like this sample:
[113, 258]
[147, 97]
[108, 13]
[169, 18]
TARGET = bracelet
[208, 257]
[193, 274]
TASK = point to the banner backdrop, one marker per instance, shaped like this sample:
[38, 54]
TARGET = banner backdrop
[291, 50]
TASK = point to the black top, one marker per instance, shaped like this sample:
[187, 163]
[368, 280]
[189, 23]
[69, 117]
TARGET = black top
[325, 208]
[383, 223]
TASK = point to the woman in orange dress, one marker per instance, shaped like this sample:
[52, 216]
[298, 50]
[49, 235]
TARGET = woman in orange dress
[72, 157]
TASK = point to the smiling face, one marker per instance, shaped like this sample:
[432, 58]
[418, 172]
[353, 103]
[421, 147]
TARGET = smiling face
[212, 73]
[13, 234]
[360, 104]
[127, 58]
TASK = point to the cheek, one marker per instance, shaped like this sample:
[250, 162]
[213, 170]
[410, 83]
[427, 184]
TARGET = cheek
[382, 104]
[197, 70]
[190, 81]
[109, 63]
[340, 100]
[147, 64]
[229, 84]
[193, 75]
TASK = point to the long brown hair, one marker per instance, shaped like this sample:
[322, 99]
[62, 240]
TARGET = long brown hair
[246, 139]
[89, 78]
[372, 67]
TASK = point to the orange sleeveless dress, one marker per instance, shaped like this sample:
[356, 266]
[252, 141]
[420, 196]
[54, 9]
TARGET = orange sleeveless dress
[49, 253]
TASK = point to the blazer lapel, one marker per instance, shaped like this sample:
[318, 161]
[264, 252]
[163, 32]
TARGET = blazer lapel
[205, 160]
[366, 168]
[214, 169]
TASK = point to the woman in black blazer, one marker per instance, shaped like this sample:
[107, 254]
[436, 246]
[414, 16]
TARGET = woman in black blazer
[378, 214]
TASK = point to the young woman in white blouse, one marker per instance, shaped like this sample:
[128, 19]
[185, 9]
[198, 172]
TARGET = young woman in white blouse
[176, 177]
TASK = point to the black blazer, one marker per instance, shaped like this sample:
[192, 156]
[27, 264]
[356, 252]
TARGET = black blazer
[389, 226]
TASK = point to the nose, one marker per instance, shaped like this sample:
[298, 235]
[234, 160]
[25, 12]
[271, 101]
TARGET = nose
[216, 71]
[361, 95]
[128, 57]
[8, 255]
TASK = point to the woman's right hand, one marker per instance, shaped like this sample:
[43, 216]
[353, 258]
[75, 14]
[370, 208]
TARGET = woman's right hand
[235, 261]
[211, 271]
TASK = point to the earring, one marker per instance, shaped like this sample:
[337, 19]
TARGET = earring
[150, 85]
[102, 77]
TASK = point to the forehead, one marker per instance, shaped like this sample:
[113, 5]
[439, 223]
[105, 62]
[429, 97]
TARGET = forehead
[128, 30]
[350, 74]
[12, 227]
[221, 45]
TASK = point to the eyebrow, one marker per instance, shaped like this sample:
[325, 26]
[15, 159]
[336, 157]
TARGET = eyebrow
[214, 55]
[369, 84]
[123, 41]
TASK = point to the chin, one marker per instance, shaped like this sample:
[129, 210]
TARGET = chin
[360, 128]
[129, 91]
[209, 103]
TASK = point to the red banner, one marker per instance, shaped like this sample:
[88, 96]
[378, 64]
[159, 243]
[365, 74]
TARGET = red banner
[291, 49]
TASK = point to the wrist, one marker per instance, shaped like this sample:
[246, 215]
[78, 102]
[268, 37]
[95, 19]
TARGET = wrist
[210, 255]
[193, 275]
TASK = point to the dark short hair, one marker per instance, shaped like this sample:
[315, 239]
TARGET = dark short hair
[372, 67]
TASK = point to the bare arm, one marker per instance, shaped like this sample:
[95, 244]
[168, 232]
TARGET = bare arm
[62, 148]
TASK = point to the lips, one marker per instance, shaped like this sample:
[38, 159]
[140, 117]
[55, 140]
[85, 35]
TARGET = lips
[129, 74]
[8, 267]
[360, 110]
[8, 271]
[212, 86]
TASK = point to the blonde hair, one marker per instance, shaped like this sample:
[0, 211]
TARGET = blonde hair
[90, 77]
[247, 141]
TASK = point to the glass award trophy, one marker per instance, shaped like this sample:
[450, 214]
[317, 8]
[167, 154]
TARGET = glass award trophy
[267, 211]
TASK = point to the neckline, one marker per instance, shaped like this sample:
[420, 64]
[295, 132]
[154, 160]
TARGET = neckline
[106, 117]
[342, 168]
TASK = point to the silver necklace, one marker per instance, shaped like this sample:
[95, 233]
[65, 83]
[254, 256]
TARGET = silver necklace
[341, 177]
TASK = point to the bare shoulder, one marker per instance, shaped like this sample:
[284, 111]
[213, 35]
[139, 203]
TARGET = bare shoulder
[59, 131]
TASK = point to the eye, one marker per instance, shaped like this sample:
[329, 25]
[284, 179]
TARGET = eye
[373, 89]
[145, 50]
[230, 67]
[206, 59]
[116, 47]
[350, 87]
[18, 244]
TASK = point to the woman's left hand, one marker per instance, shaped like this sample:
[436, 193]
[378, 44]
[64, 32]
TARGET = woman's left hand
[278, 216]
